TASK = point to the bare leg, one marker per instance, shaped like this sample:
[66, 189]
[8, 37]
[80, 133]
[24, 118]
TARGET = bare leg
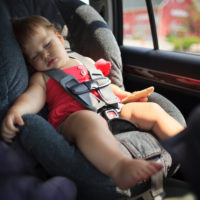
[91, 134]
[150, 116]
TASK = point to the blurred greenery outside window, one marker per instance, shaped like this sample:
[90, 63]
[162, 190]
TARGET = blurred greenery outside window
[177, 22]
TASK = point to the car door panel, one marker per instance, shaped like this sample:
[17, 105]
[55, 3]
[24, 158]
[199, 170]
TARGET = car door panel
[175, 75]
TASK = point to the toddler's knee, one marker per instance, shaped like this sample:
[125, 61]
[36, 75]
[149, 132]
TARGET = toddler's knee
[154, 105]
[155, 108]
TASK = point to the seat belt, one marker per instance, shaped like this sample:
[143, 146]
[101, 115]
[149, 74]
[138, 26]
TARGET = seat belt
[77, 90]
[81, 91]
[105, 92]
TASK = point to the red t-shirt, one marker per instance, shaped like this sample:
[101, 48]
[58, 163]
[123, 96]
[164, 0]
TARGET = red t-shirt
[60, 103]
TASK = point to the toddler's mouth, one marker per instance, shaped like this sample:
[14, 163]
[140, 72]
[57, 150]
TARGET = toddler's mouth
[51, 61]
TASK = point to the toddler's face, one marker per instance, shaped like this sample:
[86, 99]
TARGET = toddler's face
[44, 50]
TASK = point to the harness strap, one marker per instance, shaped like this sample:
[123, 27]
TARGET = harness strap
[95, 74]
[93, 71]
[69, 82]
[81, 91]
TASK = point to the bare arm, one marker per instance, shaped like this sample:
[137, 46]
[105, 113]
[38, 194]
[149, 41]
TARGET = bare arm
[31, 101]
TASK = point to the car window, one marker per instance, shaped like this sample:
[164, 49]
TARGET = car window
[136, 26]
[85, 1]
[177, 22]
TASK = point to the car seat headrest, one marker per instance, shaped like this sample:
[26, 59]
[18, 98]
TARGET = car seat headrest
[46, 8]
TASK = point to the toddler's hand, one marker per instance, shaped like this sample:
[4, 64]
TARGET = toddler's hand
[9, 128]
[142, 99]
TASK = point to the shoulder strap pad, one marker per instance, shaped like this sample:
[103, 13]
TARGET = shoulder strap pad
[95, 74]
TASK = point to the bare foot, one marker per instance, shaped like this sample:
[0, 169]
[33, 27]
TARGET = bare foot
[129, 172]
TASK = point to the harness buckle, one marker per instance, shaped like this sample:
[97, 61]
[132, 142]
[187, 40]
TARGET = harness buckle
[109, 114]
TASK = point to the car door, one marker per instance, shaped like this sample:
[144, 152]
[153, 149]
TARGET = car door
[159, 42]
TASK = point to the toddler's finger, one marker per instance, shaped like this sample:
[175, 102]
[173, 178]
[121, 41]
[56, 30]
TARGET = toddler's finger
[19, 121]
[8, 136]
[11, 126]
[143, 99]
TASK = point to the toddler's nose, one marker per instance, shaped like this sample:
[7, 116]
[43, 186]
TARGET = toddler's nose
[45, 54]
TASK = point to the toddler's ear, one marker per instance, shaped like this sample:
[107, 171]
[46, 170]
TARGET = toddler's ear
[60, 37]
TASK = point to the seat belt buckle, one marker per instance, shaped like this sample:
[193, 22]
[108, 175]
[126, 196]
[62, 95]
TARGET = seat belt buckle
[110, 114]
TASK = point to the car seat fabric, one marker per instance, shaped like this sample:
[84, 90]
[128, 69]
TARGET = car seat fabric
[11, 82]
[37, 136]
[48, 9]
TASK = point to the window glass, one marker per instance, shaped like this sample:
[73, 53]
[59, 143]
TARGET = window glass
[136, 27]
[177, 22]
[85, 1]
[178, 25]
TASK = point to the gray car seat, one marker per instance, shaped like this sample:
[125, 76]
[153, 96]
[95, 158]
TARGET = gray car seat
[89, 35]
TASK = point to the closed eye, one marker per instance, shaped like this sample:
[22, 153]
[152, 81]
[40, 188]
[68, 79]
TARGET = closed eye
[47, 44]
[35, 57]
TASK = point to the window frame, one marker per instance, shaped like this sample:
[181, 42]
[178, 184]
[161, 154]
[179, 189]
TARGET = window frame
[152, 24]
